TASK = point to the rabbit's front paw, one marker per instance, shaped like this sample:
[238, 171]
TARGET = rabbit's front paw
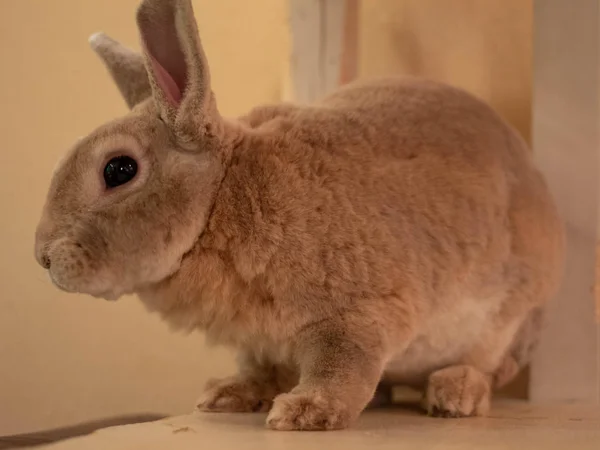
[236, 394]
[458, 391]
[308, 411]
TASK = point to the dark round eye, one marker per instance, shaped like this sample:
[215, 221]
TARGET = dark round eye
[119, 170]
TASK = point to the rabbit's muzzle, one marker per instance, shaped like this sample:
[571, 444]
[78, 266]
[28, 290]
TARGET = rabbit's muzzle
[72, 267]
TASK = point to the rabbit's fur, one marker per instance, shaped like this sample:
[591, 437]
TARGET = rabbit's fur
[395, 232]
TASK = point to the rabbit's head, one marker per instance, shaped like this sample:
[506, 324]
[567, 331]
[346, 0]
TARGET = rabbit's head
[131, 199]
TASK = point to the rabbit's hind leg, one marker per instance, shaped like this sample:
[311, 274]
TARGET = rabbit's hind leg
[458, 391]
[465, 388]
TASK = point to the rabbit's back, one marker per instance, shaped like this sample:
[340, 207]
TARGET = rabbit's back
[417, 174]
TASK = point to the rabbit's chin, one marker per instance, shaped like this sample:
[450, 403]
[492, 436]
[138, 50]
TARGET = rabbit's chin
[111, 294]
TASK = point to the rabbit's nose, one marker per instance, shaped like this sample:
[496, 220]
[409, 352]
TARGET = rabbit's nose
[45, 261]
[42, 257]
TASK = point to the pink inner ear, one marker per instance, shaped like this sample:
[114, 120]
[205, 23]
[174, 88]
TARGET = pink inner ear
[166, 83]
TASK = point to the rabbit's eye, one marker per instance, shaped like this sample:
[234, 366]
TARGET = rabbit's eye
[119, 170]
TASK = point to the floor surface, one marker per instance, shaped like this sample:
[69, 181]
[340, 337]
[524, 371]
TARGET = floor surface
[511, 425]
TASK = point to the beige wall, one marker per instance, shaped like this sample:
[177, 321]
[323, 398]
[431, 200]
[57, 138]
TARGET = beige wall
[64, 358]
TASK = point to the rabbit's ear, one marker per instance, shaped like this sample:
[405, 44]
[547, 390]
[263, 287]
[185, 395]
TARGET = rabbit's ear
[177, 67]
[126, 68]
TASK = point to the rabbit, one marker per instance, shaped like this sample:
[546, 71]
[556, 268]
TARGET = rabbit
[397, 232]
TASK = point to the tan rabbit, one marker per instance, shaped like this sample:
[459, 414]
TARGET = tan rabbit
[395, 232]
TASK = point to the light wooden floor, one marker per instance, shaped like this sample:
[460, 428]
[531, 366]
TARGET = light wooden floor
[510, 426]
